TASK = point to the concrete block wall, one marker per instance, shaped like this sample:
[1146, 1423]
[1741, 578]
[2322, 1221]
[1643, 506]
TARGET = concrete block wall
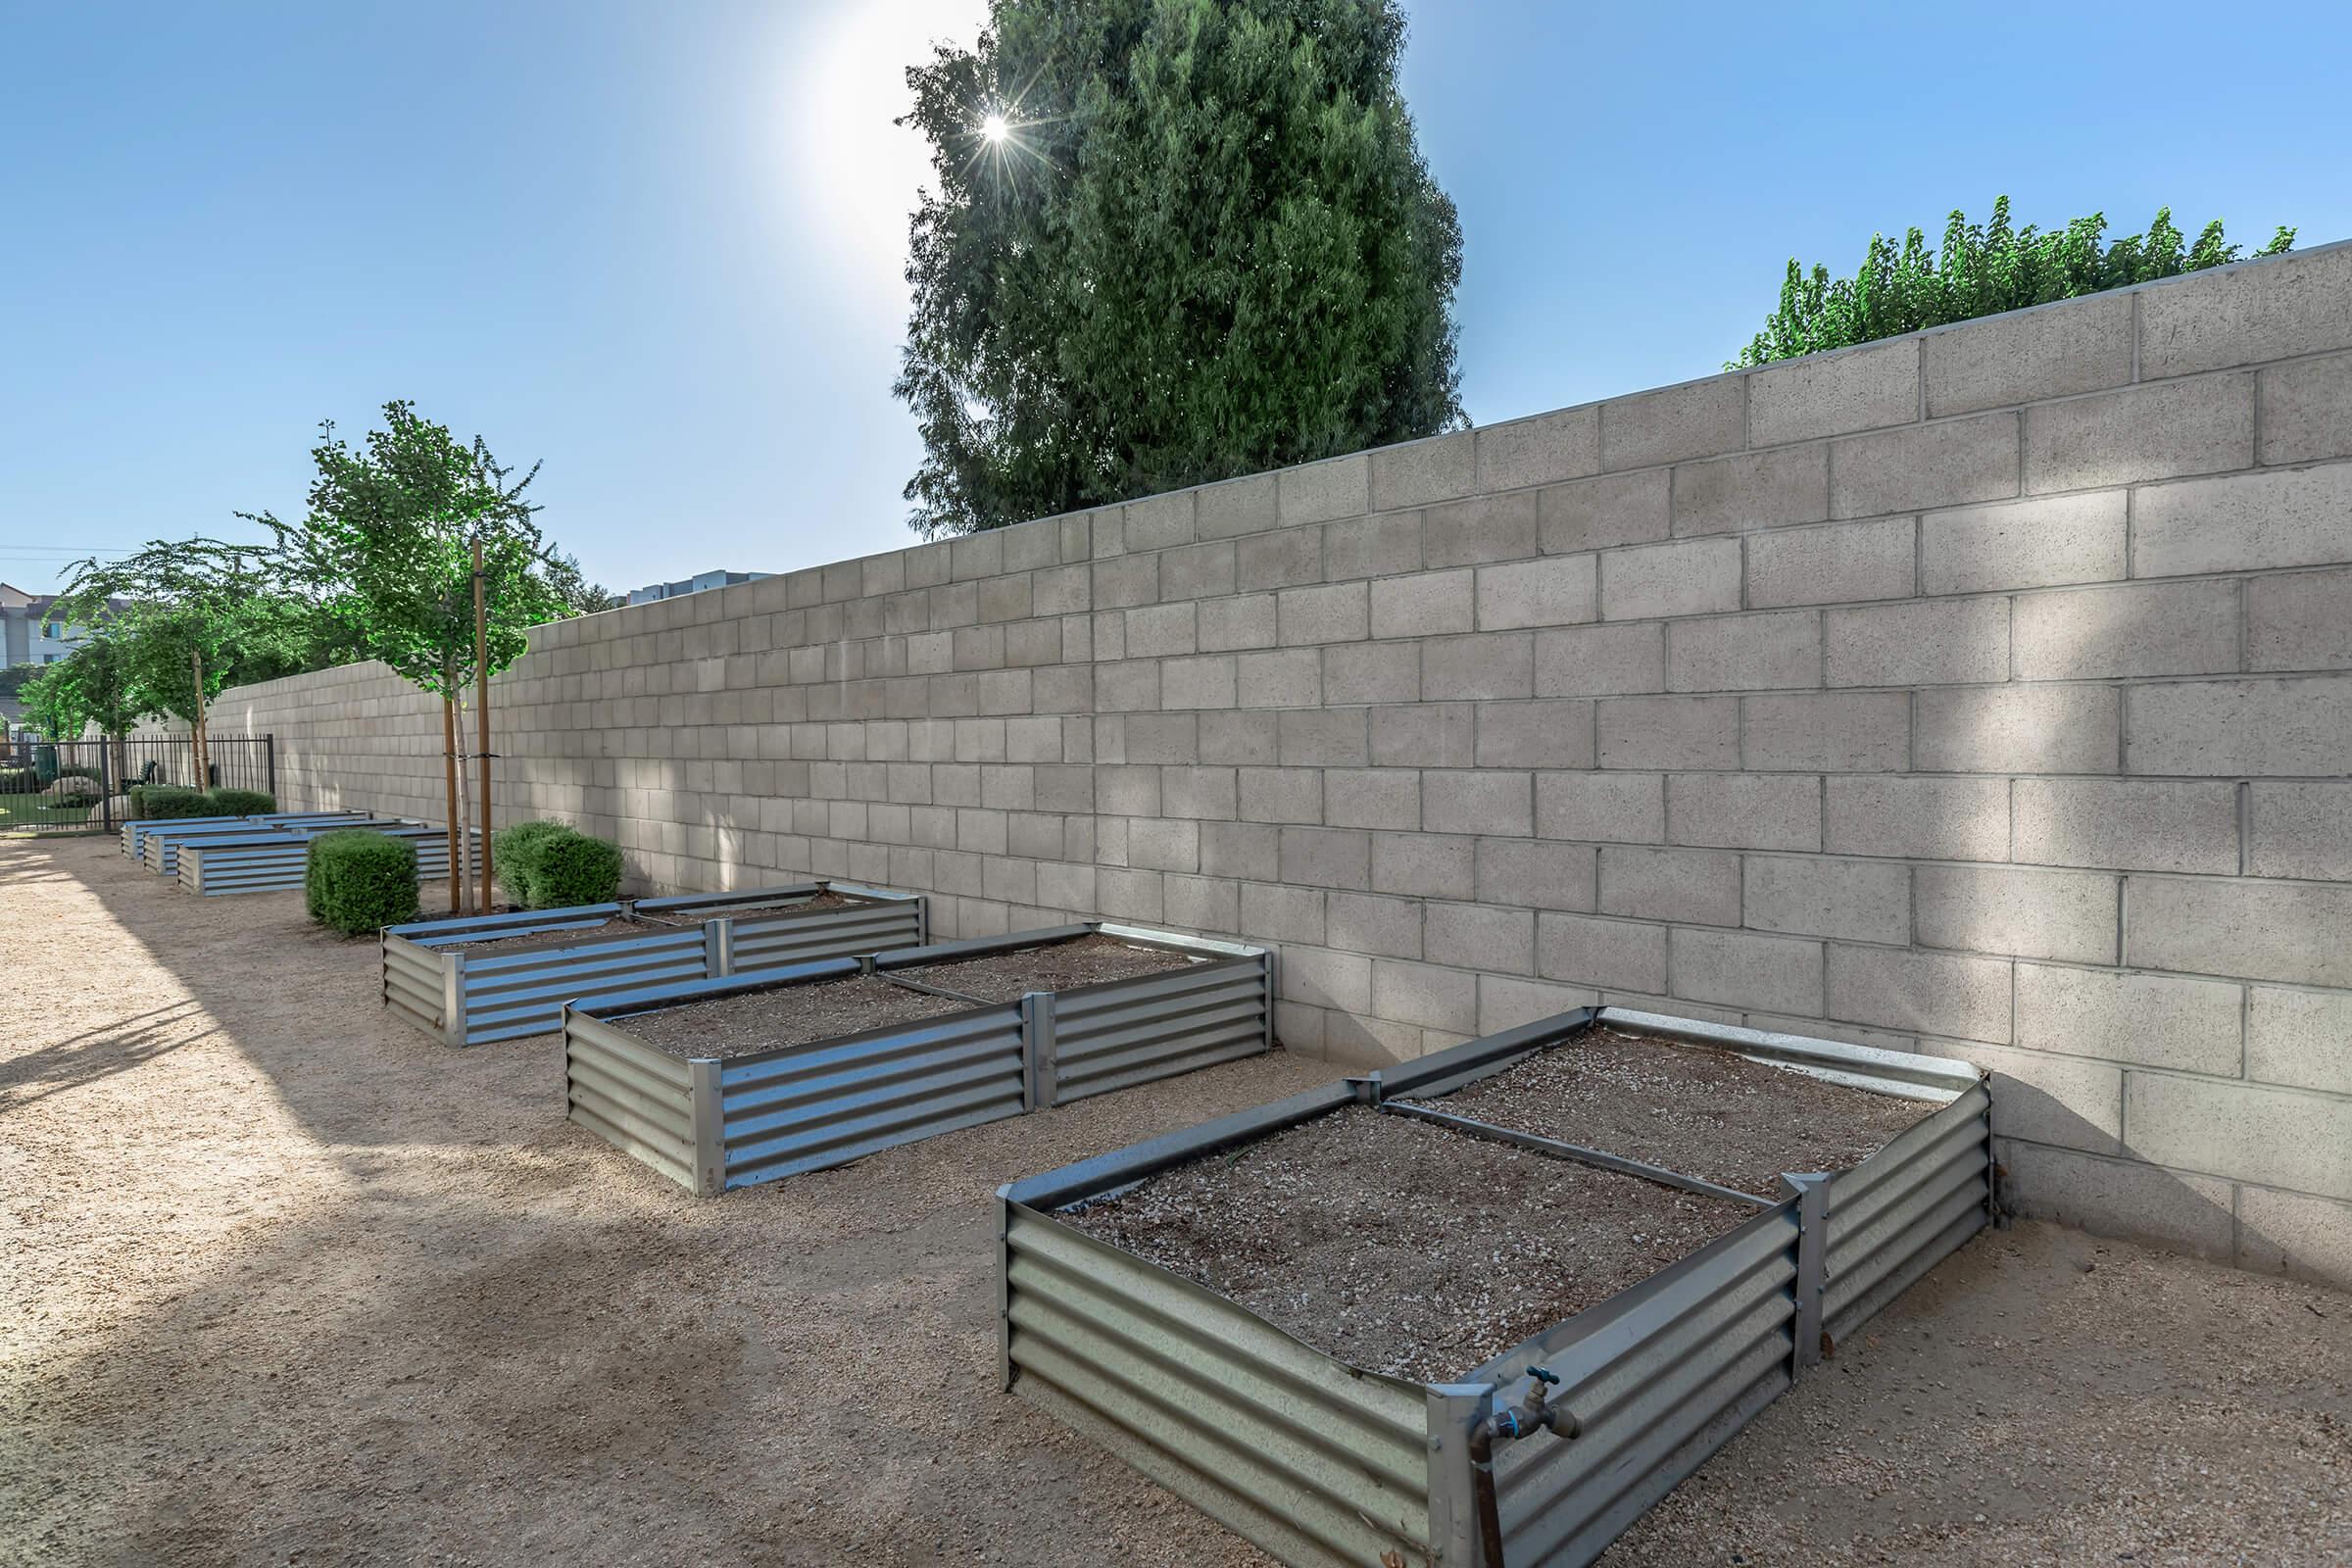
[1987, 691]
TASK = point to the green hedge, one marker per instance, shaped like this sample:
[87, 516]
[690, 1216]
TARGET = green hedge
[548, 865]
[163, 802]
[18, 780]
[240, 803]
[355, 881]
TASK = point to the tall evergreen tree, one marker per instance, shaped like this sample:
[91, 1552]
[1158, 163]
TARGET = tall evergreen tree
[1172, 241]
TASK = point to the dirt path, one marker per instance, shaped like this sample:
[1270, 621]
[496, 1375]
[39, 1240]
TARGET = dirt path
[289, 1284]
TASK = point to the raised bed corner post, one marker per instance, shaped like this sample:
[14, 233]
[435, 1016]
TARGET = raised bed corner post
[1461, 1533]
[1039, 1059]
[1005, 1287]
[453, 999]
[708, 1113]
[718, 948]
[1812, 1194]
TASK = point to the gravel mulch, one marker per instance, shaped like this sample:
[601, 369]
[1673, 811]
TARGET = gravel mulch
[602, 931]
[1003, 977]
[693, 918]
[1689, 1108]
[787, 1016]
[1403, 1248]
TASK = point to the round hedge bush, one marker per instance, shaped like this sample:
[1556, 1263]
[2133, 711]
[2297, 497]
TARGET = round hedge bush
[548, 865]
[240, 803]
[164, 803]
[357, 882]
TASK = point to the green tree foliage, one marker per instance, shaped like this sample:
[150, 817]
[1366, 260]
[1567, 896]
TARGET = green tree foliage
[1206, 245]
[1981, 271]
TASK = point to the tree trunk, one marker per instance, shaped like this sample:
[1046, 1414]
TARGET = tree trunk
[481, 708]
[449, 772]
[197, 750]
[461, 867]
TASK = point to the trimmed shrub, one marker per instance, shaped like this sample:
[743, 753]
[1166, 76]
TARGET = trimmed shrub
[355, 882]
[240, 803]
[163, 802]
[547, 866]
[19, 781]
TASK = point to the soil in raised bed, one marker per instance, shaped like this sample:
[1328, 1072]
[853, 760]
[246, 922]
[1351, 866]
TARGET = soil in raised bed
[1403, 1248]
[1695, 1110]
[603, 930]
[784, 1015]
[675, 918]
[1060, 966]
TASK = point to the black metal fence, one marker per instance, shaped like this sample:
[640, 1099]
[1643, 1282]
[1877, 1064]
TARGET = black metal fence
[69, 786]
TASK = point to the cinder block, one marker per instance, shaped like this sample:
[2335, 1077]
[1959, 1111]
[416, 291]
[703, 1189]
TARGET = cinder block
[2036, 543]
[2272, 309]
[2118, 1196]
[1426, 994]
[1838, 732]
[2306, 409]
[1380, 797]
[1932, 993]
[2279, 1137]
[1200, 904]
[1861, 901]
[2148, 1020]
[1153, 630]
[1342, 981]
[1278, 560]
[1129, 895]
[1918, 818]
[1158, 522]
[2296, 932]
[1833, 394]
[1423, 604]
[1841, 563]
[1536, 874]
[2158, 628]
[1273, 913]
[1669, 732]
[1547, 733]
[1154, 844]
[1752, 490]
[1281, 793]
[2296, 726]
[1744, 810]
[1692, 577]
[1506, 1003]
[1946, 463]
[1127, 791]
[2302, 620]
[1477, 936]
[2289, 1233]
[1925, 642]
[2300, 830]
[2158, 431]
[974, 556]
[1371, 672]
[1417, 473]
[1624, 807]
[1246, 621]
[1745, 653]
[1422, 865]
[1365, 922]
[1125, 580]
[1335, 613]
[1482, 667]
[1378, 546]
[1596, 661]
[1609, 955]
[1291, 677]
[2055, 351]
[1325, 858]
[2244, 522]
[1424, 735]
[1554, 591]
[1239, 739]
[2054, 1099]
[2026, 913]
[1236, 848]
[1698, 886]
[1463, 533]
[1317, 492]
[2018, 729]
[1237, 507]
[1324, 738]
[2302, 1039]
[1695, 419]
[1542, 449]
[1498, 802]
[1616, 508]
[1197, 572]
[1736, 969]
[1205, 682]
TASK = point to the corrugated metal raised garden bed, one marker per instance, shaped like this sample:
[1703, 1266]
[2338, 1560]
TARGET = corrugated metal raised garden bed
[724, 1083]
[278, 858]
[473, 979]
[156, 845]
[135, 831]
[1489, 1306]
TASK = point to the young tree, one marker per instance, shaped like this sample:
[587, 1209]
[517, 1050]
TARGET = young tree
[387, 548]
[1981, 271]
[95, 683]
[1173, 241]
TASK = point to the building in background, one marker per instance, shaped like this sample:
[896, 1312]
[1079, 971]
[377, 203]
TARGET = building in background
[692, 585]
[28, 633]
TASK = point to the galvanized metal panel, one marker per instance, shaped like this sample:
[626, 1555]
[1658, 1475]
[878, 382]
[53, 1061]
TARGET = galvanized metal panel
[414, 984]
[1904, 1074]
[633, 1097]
[834, 1100]
[1120, 1033]
[511, 995]
[765, 941]
[1314, 1462]
[1906, 1208]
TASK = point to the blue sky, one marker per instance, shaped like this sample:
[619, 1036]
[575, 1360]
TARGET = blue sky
[658, 246]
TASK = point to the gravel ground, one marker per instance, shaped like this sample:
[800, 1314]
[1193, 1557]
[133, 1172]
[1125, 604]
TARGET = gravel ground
[1695, 1111]
[289, 1284]
[1003, 977]
[1403, 1248]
